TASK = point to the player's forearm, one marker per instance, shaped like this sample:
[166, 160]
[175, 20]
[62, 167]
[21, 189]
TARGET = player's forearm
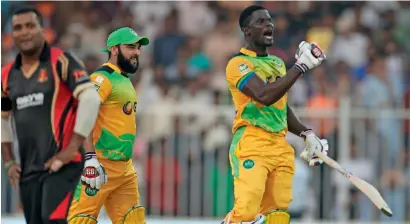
[294, 124]
[6, 131]
[272, 92]
[7, 152]
[87, 112]
[88, 144]
[6, 140]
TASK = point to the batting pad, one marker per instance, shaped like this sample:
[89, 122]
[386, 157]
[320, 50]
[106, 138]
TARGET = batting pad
[82, 219]
[278, 217]
[136, 215]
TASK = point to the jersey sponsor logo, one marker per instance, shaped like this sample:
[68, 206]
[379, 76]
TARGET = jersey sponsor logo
[129, 107]
[42, 77]
[32, 100]
[244, 68]
[90, 191]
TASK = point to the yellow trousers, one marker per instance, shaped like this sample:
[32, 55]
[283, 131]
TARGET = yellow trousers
[263, 167]
[118, 195]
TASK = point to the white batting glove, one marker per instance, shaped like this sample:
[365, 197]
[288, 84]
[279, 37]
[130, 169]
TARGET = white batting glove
[94, 172]
[313, 144]
[308, 56]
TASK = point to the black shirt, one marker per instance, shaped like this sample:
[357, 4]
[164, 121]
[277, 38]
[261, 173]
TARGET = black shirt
[43, 106]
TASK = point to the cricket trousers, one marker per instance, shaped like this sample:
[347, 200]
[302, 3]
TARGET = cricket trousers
[118, 195]
[263, 167]
[46, 200]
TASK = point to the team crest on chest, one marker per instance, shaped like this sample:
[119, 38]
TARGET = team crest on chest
[42, 76]
[277, 62]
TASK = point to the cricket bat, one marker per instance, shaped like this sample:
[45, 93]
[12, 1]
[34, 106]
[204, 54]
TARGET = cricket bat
[371, 192]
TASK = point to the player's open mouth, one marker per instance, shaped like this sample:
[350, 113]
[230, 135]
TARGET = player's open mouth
[268, 34]
[133, 60]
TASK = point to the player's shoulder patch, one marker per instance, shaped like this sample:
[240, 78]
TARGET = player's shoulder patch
[241, 64]
[98, 78]
[244, 68]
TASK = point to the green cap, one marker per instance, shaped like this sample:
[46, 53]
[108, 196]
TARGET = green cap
[124, 35]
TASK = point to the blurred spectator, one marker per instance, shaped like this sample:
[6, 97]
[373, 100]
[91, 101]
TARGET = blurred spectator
[395, 71]
[322, 32]
[91, 63]
[198, 59]
[395, 183]
[349, 45]
[322, 99]
[221, 43]
[195, 18]
[282, 40]
[168, 41]
[345, 85]
[377, 93]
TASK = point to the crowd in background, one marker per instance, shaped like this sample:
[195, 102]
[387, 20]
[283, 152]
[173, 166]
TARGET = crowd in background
[191, 42]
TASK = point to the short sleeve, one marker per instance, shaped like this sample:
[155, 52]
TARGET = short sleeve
[238, 72]
[73, 73]
[102, 84]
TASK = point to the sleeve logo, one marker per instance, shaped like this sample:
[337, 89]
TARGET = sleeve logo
[80, 75]
[99, 79]
[244, 69]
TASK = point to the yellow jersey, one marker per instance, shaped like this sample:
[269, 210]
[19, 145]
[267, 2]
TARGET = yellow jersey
[249, 112]
[115, 128]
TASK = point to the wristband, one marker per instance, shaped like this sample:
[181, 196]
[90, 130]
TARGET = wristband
[301, 67]
[9, 163]
[306, 132]
[90, 155]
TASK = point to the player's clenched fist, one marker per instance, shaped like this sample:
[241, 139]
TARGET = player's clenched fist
[308, 56]
[313, 144]
[93, 173]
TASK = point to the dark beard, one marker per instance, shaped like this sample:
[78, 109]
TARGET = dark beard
[126, 65]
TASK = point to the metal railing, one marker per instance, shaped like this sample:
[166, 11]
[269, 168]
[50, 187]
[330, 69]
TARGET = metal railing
[181, 158]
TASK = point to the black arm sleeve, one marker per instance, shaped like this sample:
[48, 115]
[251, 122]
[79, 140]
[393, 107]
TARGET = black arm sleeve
[6, 104]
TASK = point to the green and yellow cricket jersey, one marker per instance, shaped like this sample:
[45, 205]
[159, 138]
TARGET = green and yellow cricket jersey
[115, 128]
[269, 68]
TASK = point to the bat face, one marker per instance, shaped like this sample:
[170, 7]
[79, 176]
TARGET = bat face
[371, 192]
